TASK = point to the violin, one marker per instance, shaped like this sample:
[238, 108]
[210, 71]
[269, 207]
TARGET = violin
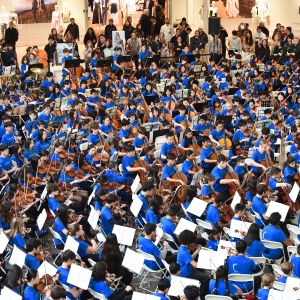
[78, 174]
[34, 180]
[44, 281]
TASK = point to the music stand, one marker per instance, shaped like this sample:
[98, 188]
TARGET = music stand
[175, 113]
[278, 87]
[226, 119]
[195, 133]
[199, 107]
[156, 133]
[151, 126]
[189, 57]
[232, 91]
[38, 66]
[72, 63]
[102, 63]
[148, 61]
[124, 58]
[150, 99]
[76, 137]
[140, 73]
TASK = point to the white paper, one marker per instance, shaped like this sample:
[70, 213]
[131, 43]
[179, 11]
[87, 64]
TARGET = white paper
[4, 239]
[136, 185]
[41, 219]
[294, 192]
[79, 276]
[159, 234]
[236, 227]
[278, 207]
[133, 261]
[197, 207]
[71, 244]
[124, 234]
[141, 296]
[279, 295]
[184, 224]
[93, 217]
[290, 284]
[179, 283]
[17, 257]
[46, 268]
[210, 260]
[224, 245]
[136, 205]
[236, 199]
[8, 294]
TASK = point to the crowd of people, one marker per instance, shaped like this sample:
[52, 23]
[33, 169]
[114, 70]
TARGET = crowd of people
[165, 129]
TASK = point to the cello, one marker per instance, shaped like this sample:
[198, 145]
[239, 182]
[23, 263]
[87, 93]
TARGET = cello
[141, 164]
[177, 151]
[195, 147]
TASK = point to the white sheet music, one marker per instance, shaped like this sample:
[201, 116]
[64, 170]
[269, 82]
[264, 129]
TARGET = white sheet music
[141, 296]
[159, 234]
[224, 245]
[93, 217]
[136, 205]
[184, 224]
[41, 219]
[236, 199]
[279, 295]
[179, 283]
[197, 207]
[8, 294]
[79, 276]
[291, 284]
[124, 234]
[4, 239]
[71, 244]
[17, 257]
[136, 185]
[133, 261]
[46, 268]
[236, 227]
[294, 192]
[210, 260]
[277, 207]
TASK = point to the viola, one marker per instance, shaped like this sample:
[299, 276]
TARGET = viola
[34, 180]
[44, 281]
[195, 147]
[63, 155]
[91, 169]
[78, 174]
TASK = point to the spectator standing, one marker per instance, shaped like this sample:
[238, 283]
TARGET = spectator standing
[167, 30]
[222, 36]
[73, 29]
[109, 28]
[11, 35]
[145, 23]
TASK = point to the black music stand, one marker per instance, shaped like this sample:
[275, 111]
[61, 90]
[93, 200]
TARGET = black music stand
[102, 63]
[158, 133]
[278, 87]
[199, 107]
[150, 99]
[232, 91]
[72, 63]
[190, 58]
[195, 133]
[149, 60]
[226, 119]
[124, 58]
[38, 66]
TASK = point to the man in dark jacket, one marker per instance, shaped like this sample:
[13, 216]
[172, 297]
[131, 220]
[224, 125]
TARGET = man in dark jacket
[109, 28]
[203, 35]
[11, 35]
[148, 4]
[4, 57]
[145, 22]
[196, 42]
[222, 36]
[155, 27]
[73, 29]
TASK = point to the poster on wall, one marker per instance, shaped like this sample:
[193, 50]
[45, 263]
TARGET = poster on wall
[34, 11]
[233, 8]
[59, 49]
[118, 39]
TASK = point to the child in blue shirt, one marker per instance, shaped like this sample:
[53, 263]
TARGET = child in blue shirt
[287, 269]
[214, 238]
[239, 169]
[163, 286]
[295, 260]
[267, 283]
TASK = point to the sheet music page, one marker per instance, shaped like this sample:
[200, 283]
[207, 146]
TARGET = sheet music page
[136, 205]
[159, 234]
[79, 276]
[17, 257]
[236, 199]
[8, 294]
[184, 224]
[41, 219]
[210, 260]
[136, 185]
[294, 192]
[224, 245]
[278, 207]
[71, 244]
[197, 207]
[46, 268]
[141, 296]
[236, 227]
[133, 261]
[291, 284]
[4, 239]
[93, 217]
[179, 283]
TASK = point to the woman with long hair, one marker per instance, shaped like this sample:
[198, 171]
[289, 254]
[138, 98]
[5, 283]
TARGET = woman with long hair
[251, 189]
[264, 51]
[60, 225]
[90, 36]
[111, 255]
[248, 44]
[87, 53]
[5, 214]
[13, 278]
[153, 214]
[16, 233]
[53, 34]
[139, 32]
[128, 28]
[29, 150]
[42, 143]
[16, 154]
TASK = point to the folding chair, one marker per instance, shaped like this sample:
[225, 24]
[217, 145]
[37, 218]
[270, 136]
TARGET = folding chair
[101, 239]
[185, 212]
[216, 297]
[259, 261]
[159, 141]
[157, 153]
[97, 295]
[149, 270]
[274, 245]
[294, 231]
[291, 250]
[257, 215]
[204, 225]
[121, 168]
[57, 236]
[277, 269]
[165, 264]
[169, 238]
[245, 278]
[278, 285]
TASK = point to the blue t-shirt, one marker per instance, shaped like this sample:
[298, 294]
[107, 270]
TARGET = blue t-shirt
[128, 162]
[295, 260]
[100, 287]
[257, 157]
[31, 293]
[256, 249]
[212, 215]
[161, 296]
[149, 247]
[274, 234]
[6, 163]
[219, 175]
[221, 287]
[151, 217]
[168, 227]
[259, 207]
[263, 294]
[63, 276]
[82, 247]
[165, 149]
[8, 139]
[31, 262]
[168, 172]
[213, 244]
[206, 154]
[184, 259]
[106, 215]
[53, 204]
[186, 167]
[138, 143]
[18, 241]
[58, 227]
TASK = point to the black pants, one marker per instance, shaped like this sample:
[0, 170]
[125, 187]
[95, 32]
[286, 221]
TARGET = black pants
[94, 257]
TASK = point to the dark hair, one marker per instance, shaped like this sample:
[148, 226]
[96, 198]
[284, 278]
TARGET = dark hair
[13, 276]
[163, 284]
[239, 207]
[31, 274]
[155, 203]
[173, 210]
[99, 271]
[147, 186]
[186, 237]
[221, 158]
[191, 193]
[275, 218]
[221, 274]
[111, 255]
[57, 292]
[68, 255]
[174, 268]
[241, 246]
[149, 227]
[253, 234]
[62, 214]
[215, 230]
[32, 243]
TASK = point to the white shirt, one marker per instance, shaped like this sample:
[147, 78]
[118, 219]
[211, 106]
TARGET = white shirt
[168, 31]
[259, 36]
[4, 17]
